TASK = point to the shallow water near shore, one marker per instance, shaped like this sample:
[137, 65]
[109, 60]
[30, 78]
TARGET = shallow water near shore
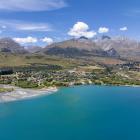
[76, 113]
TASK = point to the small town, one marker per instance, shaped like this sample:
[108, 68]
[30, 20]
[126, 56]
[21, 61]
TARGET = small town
[53, 75]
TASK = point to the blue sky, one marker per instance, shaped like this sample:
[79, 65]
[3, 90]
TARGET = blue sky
[45, 21]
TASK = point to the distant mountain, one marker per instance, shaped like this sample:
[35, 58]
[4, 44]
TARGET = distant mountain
[33, 49]
[125, 47]
[112, 53]
[104, 47]
[78, 47]
[7, 45]
[118, 47]
[105, 37]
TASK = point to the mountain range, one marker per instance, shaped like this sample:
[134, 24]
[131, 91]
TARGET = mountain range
[118, 47]
[104, 47]
[7, 45]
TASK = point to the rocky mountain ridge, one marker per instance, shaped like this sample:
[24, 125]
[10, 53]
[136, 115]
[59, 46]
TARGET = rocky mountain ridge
[106, 46]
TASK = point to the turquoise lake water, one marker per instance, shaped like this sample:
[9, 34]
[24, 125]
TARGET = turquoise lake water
[79, 113]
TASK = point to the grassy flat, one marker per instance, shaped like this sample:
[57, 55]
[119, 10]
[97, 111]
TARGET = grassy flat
[2, 90]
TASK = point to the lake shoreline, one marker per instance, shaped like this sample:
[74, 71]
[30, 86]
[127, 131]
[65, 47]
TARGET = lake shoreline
[21, 93]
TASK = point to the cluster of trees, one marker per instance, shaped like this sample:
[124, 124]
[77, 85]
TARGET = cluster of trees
[6, 71]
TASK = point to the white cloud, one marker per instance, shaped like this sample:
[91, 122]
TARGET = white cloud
[25, 26]
[81, 29]
[103, 30]
[33, 27]
[47, 40]
[26, 40]
[31, 5]
[124, 29]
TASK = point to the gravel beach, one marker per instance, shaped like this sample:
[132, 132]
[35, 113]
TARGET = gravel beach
[20, 93]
